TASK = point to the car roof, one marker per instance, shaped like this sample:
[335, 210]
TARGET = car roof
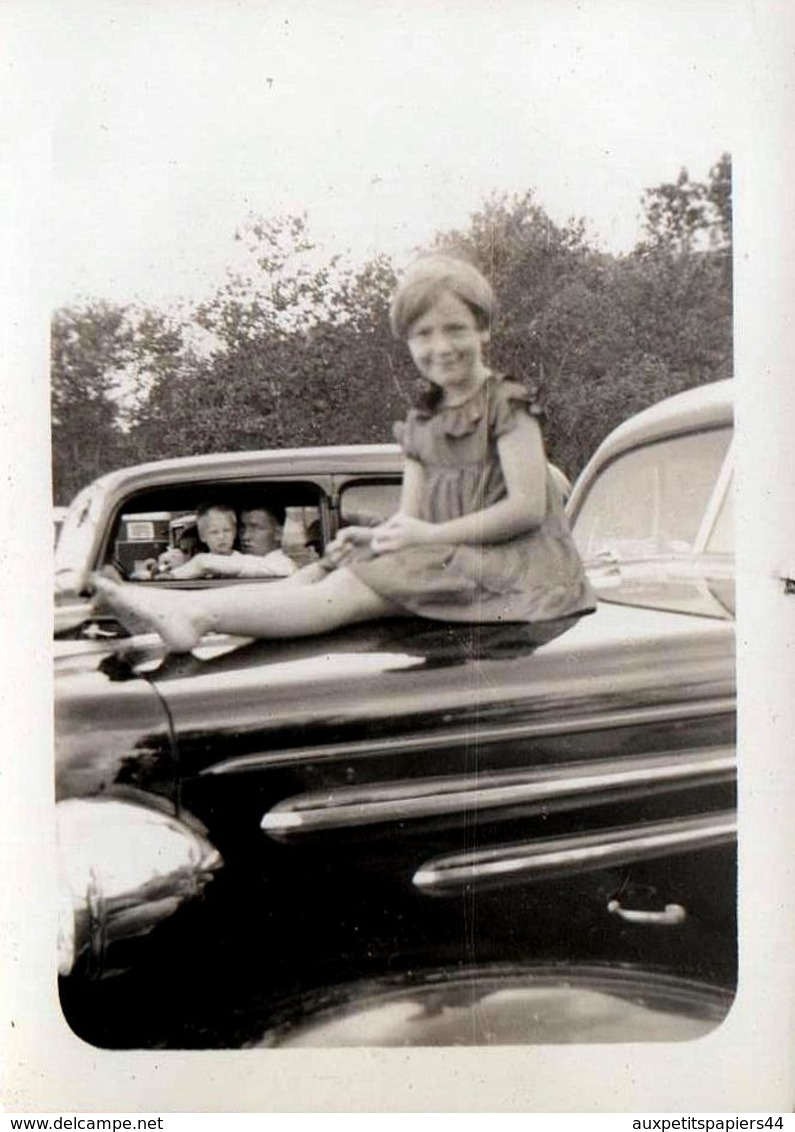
[339, 459]
[707, 406]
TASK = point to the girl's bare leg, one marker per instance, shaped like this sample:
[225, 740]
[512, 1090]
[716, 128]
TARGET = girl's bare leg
[270, 610]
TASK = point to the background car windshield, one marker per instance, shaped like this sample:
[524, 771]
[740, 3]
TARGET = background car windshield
[652, 500]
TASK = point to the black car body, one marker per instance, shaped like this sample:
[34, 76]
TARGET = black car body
[476, 819]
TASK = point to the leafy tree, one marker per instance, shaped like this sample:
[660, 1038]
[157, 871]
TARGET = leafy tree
[89, 347]
[605, 336]
[687, 216]
[528, 259]
[302, 355]
[685, 274]
[295, 348]
[719, 196]
[104, 359]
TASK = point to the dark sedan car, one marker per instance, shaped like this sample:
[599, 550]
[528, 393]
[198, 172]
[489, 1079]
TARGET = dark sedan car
[417, 832]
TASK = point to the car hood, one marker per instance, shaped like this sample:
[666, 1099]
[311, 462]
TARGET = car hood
[385, 685]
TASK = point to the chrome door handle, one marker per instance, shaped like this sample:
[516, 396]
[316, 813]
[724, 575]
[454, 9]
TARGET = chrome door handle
[671, 914]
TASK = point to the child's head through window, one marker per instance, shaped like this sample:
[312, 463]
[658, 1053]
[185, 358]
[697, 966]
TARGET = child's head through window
[217, 527]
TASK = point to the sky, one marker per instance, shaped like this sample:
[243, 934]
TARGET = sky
[171, 123]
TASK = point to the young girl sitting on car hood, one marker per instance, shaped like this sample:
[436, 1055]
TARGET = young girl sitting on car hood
[480, 534]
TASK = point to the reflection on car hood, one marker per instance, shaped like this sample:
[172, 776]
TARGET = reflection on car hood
[382, 646]
[405, 676]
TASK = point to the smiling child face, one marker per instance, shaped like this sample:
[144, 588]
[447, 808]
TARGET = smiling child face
[446, 345]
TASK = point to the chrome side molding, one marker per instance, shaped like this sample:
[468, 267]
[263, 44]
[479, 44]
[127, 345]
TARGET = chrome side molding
[450, 738]
[538, 789]
[556, 857]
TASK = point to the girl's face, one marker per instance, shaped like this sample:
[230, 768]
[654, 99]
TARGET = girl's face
[447, 347]
[217, 531]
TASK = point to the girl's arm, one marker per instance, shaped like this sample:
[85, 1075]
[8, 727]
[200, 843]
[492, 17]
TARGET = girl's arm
[412, 488]
[524, 467]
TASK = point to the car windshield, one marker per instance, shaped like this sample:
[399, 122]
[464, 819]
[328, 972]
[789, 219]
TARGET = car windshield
[652, 500]
[655, 528]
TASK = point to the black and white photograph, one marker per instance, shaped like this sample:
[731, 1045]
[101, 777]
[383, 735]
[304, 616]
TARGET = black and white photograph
[422, 593]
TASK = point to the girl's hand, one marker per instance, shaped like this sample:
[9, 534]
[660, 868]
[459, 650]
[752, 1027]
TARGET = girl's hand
[400, 531]
[341, 547]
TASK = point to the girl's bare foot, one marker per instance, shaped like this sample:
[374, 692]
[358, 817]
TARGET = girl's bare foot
[163, 612]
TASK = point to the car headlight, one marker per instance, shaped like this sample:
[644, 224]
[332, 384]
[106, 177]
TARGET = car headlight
[123, 868]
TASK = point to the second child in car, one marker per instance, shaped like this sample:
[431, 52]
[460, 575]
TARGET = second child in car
[260, 539]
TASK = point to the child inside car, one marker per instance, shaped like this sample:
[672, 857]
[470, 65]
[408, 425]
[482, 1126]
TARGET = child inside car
[214, 533]
[260, 554]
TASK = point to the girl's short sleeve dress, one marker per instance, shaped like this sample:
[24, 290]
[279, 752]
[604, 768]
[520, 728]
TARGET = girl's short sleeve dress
[537, 576]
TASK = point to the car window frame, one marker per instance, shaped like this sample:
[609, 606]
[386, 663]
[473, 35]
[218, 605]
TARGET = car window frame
[343, 483]
[121, 504]
[724, 484]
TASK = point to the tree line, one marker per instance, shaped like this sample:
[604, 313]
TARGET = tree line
[296, 350]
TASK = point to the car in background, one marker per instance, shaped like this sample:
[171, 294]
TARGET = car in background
[416, 832]
[126, 518]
